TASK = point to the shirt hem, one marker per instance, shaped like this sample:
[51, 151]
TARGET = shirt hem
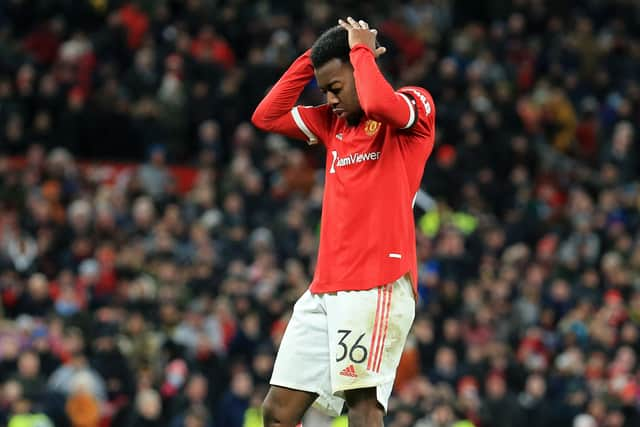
[320, 288]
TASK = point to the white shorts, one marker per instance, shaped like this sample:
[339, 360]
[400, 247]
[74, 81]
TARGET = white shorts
[345, 340]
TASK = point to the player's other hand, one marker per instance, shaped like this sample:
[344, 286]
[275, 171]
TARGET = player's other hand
[360, 33]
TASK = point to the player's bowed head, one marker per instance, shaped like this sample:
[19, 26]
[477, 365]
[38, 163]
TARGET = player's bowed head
[333, 70]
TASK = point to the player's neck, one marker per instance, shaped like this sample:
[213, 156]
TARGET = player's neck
[355, 119]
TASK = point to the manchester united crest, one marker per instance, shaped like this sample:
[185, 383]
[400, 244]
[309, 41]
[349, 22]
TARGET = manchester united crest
[371, 127]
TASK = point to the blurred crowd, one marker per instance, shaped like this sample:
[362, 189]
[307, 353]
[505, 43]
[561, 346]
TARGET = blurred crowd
[131, 303]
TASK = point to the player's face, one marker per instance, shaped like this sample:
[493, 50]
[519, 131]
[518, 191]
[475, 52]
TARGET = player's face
[335, 79]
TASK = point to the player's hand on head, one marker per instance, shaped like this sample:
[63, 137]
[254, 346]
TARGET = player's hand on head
[360, 33]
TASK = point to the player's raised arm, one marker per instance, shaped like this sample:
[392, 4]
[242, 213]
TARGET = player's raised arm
[377, 98]
[276, 112]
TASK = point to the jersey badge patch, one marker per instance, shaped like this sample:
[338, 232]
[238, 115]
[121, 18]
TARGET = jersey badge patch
[371, 127]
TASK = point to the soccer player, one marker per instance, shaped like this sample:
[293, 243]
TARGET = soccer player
[347, 332]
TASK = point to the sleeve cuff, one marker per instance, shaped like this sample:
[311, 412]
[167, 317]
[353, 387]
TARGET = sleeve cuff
[360, 47]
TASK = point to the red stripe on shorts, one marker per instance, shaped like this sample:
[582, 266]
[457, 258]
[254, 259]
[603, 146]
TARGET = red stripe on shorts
[378, 344]
[375, 331]
[385, 322]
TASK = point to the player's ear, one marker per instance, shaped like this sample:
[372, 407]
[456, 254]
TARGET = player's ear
[348, 65]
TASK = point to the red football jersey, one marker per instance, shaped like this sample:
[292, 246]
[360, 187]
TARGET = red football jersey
[373, 172]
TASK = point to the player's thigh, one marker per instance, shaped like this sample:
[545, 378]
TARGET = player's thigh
[365, 398]
[286, 405]
[303, 361]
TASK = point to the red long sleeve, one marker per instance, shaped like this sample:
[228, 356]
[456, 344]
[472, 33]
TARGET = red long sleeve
[273, 112]
[377, 98]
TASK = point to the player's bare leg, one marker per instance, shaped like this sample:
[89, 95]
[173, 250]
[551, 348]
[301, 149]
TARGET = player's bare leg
[284, 407]
[364, 409]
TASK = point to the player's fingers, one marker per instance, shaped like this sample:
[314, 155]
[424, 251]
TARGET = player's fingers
[344, 24]
[380, 51]
[374, 31]
[363, 24]
[353, 22]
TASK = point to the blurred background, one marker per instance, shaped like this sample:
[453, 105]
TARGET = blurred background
[152, 242]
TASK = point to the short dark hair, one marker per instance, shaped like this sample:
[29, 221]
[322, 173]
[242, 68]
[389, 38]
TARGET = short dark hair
[333, 43]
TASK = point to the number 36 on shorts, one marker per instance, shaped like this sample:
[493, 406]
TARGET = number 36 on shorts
[367, 332]
[356, 352]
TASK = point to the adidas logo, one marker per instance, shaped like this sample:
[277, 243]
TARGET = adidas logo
[349, 371]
